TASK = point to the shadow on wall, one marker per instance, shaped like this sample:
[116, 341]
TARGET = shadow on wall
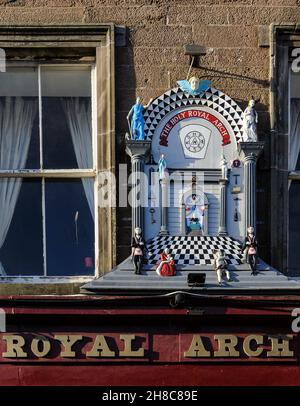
[126, 93]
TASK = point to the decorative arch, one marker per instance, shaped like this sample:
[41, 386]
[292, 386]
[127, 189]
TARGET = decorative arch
[176, 98]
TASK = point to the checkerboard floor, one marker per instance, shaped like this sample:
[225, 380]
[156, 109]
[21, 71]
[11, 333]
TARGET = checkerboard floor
[194, 250]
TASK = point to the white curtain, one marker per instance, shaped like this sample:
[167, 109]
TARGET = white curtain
[16, 121]
[79, 118]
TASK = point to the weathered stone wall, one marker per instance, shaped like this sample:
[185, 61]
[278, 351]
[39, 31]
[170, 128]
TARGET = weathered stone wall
[153, 58]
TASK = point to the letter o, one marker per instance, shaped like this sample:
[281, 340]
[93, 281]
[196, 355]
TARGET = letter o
[46, 346]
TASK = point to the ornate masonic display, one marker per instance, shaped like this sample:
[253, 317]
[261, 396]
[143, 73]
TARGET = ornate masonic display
[198, 151]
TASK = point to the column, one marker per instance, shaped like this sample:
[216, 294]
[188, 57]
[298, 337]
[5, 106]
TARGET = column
[223, 206]
[250, 151]
[250, 190]
[164, 185]
[138, 152]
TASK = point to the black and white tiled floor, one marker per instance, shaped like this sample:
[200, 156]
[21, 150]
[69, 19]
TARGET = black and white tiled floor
[194, 250]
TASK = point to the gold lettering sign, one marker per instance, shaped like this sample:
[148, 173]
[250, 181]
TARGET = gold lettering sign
[40, 346]
[248, 345]
[196, 349]
[68, 342]
[226, 346]
[124, 346]
[100, 348]
[14, 347]
[128, 351]
[280, 346]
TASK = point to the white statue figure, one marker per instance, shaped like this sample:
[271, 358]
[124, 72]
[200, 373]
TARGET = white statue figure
[224, 168]
[250, 119]
[221, 266]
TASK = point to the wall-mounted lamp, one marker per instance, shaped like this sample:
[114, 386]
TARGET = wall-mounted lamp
[195, 52]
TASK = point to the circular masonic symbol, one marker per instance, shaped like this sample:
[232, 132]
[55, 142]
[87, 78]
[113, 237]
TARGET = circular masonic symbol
[194, 141]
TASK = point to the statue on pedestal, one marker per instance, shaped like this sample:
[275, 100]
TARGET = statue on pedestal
[136, 126]
[162, 167]
[250, 119]
[224, 168]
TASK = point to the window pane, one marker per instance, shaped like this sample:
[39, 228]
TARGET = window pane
[294, 228]
[67, 119]
[70, 227]
[21, 234]
[19, 122]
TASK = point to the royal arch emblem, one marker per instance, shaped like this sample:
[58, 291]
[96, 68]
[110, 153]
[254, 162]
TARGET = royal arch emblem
[194, 140]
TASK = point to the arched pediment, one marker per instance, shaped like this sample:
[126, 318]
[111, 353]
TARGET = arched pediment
[176, 98]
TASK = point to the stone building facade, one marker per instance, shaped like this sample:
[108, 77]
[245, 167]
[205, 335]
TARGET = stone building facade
[243, 40]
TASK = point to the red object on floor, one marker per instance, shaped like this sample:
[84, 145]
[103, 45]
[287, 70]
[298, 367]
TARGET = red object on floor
[167, 269]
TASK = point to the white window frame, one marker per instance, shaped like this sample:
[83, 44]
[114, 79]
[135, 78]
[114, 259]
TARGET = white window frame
[60, 173]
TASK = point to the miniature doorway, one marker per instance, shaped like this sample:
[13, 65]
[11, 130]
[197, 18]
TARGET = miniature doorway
[194, 214]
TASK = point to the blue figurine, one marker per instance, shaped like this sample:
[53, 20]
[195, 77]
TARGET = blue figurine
[162, 167]
[194, 86]
[137, 121]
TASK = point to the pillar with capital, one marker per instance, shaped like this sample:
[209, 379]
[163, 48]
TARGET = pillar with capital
[223, 206]
[164, 184]
[138, 150]
[249, 153]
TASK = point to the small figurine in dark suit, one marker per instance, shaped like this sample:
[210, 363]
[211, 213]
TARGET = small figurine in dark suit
[138, 248]
[250, 249]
